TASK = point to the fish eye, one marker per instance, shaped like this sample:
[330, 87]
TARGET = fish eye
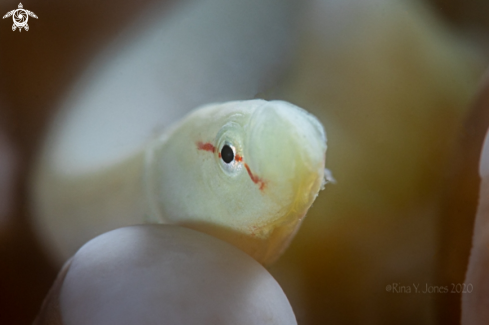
[228, 157]
[227, 154]
[229, 149]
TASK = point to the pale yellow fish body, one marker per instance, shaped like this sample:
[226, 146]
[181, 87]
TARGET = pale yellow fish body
[255, 201]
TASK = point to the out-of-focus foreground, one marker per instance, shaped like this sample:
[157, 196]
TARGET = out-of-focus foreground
[392, 81]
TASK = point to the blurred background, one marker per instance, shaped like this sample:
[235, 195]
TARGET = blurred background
[394, 82]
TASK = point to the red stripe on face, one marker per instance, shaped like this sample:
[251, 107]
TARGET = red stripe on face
[206, 146]
[210, 147]
[254, 178]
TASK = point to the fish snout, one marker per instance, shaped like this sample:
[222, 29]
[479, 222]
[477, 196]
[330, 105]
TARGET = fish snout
[286, 151]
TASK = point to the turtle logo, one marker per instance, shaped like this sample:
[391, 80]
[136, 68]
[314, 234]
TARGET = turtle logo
[20, 17]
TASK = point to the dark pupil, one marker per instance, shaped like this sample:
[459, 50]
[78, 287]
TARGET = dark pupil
[227, 154]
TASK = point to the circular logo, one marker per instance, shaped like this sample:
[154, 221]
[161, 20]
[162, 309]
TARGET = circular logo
[20, 17]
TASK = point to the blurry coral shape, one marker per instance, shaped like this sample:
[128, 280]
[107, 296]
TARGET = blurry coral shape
[146, 274]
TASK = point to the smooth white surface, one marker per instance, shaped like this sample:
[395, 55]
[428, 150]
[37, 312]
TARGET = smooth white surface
[168, 275]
